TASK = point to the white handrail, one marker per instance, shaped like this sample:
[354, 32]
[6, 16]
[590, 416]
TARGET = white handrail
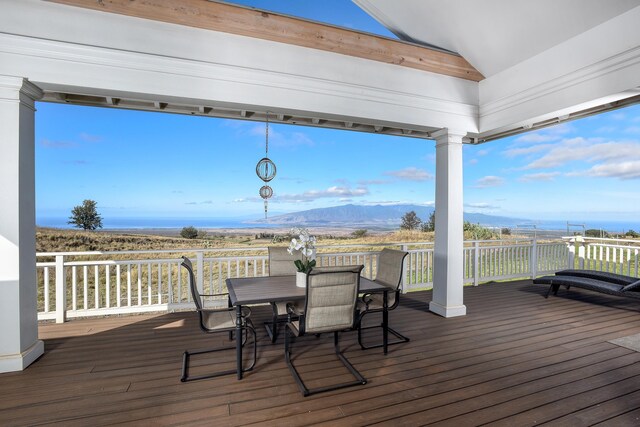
[142, 283]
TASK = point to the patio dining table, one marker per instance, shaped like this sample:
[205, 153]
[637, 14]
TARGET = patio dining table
[260, 290]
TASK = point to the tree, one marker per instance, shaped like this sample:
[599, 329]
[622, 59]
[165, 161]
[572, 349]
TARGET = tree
[86, 216]
[359, 233]
[430, 224]
[189, 232]
[410, 221]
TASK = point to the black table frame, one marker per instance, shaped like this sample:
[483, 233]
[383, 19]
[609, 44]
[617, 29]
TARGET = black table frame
[260, 290]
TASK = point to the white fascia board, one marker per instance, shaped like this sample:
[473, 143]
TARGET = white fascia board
[600, 65]
[60, 46]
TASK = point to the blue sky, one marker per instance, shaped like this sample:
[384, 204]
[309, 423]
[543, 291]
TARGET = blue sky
[143, 164]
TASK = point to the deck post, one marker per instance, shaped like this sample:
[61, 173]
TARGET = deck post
[448, 265]
[61, 290]
[534, 258]
[476, 263]
[19, 344]
[200, 269]
[571, 244]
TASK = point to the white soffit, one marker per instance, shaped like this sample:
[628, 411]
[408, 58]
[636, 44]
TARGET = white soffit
[493, 35]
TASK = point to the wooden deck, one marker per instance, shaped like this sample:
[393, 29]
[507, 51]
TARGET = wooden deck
[515, 359]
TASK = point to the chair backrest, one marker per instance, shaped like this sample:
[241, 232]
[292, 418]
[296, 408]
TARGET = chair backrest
[331, 298]
[281, 262]
[390, 270]
[197, 299]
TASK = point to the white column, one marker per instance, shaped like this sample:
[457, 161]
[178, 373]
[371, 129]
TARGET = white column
[449, 237]
[19, 344]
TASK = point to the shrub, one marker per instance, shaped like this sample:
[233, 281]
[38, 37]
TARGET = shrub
[594, 232]
[477, 232]
[189, 232]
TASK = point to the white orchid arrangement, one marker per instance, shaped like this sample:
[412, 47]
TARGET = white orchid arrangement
[306, 244]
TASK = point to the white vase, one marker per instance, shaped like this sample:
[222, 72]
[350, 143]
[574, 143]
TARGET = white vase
[301, 279]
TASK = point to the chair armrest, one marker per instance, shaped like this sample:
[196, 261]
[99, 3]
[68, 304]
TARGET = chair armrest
[635, 286]
[366, 299]
[214, 295]
[246, 311]
[291, 309]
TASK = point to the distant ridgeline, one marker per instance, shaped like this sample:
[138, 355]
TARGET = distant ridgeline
[376, 216]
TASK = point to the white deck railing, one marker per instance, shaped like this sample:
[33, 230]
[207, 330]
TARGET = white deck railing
[620, 256]
[79, 284]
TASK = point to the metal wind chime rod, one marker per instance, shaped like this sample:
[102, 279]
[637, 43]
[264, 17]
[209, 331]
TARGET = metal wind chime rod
[266, 170]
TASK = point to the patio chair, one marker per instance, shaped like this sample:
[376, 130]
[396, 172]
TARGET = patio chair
[215, 321]
[330, 306]
[389, 273]
[280, 264]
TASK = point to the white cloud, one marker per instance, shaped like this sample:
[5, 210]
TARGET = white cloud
[410, 174]
[57, 144]
[589, 150]
[331, 192]
[90, 138]
[480, 206]
[472, 162]
[282, 139]
[524, 151]
[489, 181]
[366, 182]
[482, 152]
[537, 177]
[633, 129]
[621, 170]
[537, 137]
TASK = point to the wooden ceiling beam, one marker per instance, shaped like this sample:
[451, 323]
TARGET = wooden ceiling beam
[265, 25]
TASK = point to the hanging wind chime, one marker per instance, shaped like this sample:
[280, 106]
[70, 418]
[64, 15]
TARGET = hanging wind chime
[266, 170]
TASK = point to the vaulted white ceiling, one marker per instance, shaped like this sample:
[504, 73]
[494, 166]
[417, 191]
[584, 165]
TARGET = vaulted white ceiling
[493, 35]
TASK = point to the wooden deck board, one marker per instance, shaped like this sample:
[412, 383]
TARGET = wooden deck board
[505, 363]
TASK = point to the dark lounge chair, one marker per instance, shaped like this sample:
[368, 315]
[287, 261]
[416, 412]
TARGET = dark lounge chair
[598, 281]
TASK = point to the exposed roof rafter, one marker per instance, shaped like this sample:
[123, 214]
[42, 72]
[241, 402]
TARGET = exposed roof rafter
[223, 17]
[231, 113]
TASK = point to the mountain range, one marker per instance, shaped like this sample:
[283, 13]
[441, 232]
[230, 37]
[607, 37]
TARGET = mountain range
[374, 216]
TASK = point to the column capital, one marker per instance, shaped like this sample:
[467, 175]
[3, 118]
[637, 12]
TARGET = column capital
[19, 89]
[448, 136]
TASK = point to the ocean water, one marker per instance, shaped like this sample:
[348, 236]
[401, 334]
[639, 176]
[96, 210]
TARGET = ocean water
[168, 223]
[140, 223]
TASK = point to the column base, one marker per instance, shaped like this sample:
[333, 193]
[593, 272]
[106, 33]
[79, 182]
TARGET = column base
[19, 361]
[448, 311]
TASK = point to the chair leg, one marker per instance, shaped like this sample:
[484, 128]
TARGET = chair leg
[401, 338]
[360, 380]
[186, 356]
[272, 326]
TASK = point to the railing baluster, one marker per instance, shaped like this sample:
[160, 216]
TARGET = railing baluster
[74, 289]
[128, 285]
[85, 276]
[96, 286]
[46, 290]
[149, 271]
[107, 280]
[139, 284]
[118, 286]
